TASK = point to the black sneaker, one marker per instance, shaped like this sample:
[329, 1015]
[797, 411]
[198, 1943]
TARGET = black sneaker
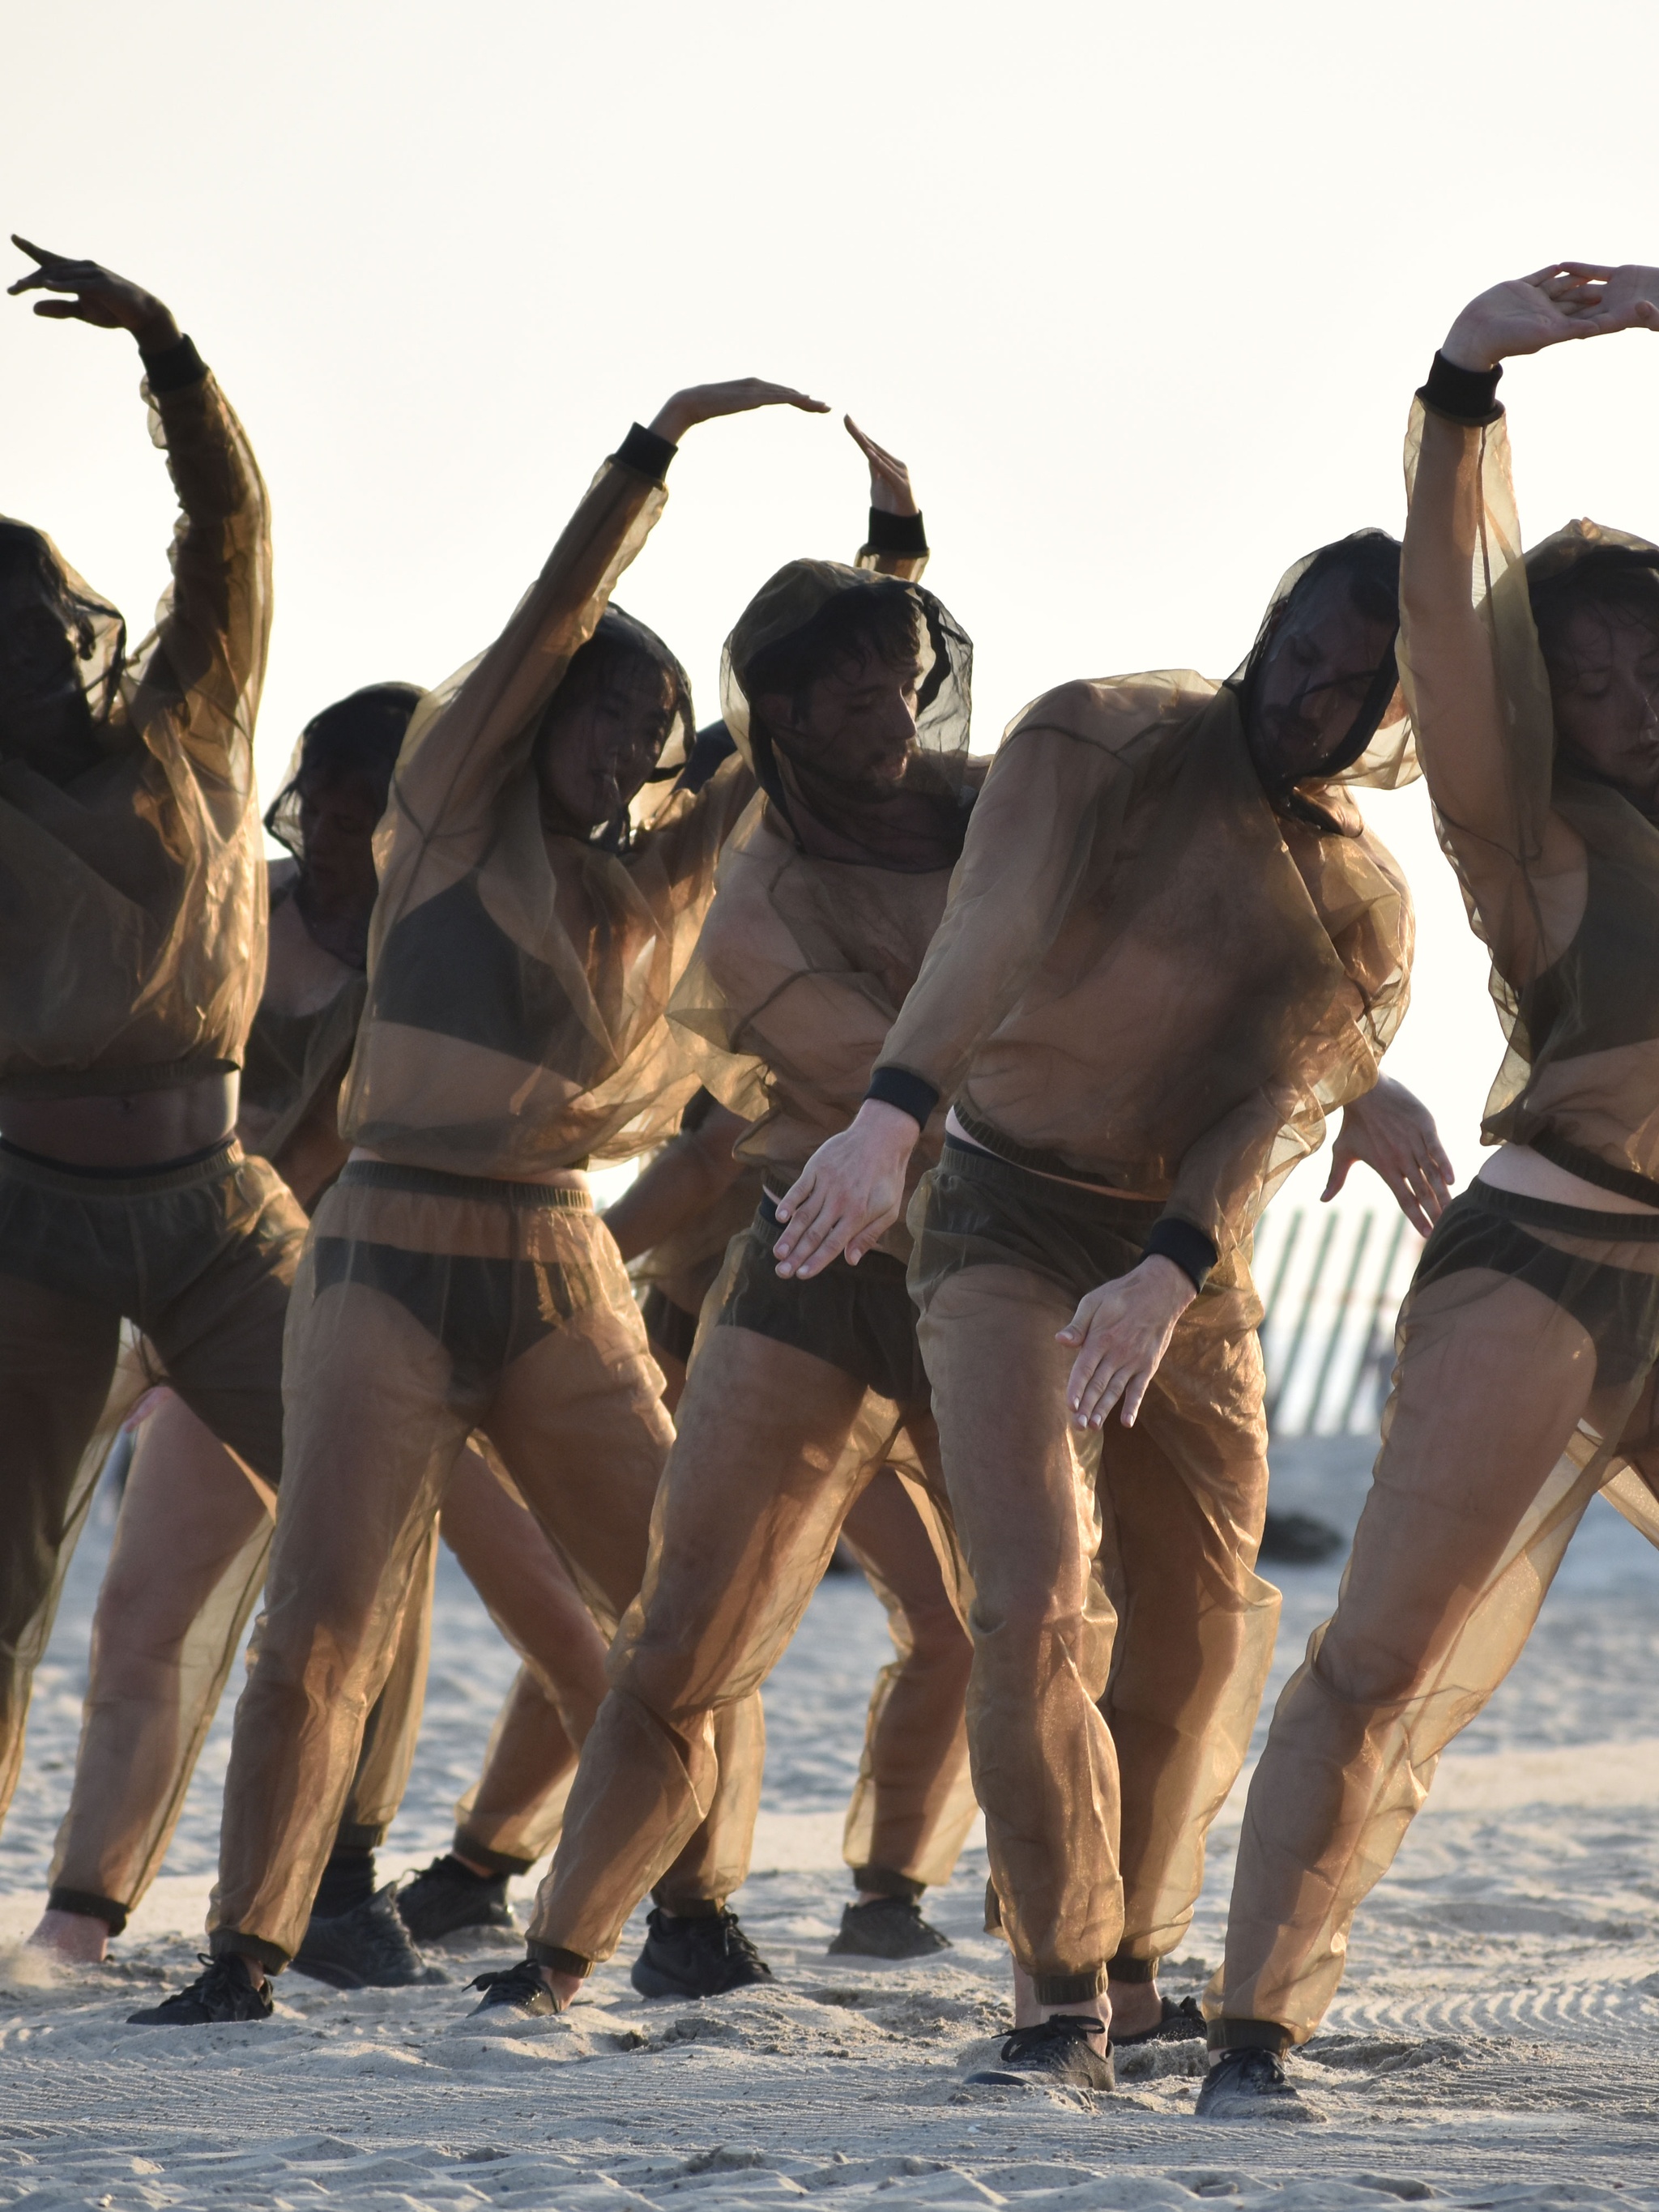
[1181, 2023]
[887, 1928]
[448, 1896]
[703, 1957]
[1058, 2050]
[520, 1988]
[1249, 2085]
[226, 1992]
[367, 1948]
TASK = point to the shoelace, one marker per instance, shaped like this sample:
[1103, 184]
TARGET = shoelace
[1060, 2027]
[524, 1976]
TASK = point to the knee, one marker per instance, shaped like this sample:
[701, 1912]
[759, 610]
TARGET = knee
[1369, 1670]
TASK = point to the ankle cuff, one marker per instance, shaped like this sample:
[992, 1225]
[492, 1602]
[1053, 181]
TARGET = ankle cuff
[887, 1881]
[1069, 1989]
[1249, 2035]
[224, 1942]
[1125, 1967]
[358, 1836]
[688, 1908]
[469, 1847]
[560, 1961]
[88, 1907]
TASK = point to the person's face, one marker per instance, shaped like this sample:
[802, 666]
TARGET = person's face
[1604, 679]
[42, 712]
[338, 814]
[859, 724]
[1313, 680]
[597, 745]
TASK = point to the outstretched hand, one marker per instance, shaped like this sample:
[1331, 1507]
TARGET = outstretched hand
[1124, 1330]
[889, 480]
[1391, 1130]
[99, 296]
[848, 1194]
[1567, 300]
[704, 403]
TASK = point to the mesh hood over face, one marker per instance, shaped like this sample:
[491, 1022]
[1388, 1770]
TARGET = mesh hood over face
[913, 824]
[1378, 749]
[96, 632]
[358, 736]
[615, 629]
[1581, 565]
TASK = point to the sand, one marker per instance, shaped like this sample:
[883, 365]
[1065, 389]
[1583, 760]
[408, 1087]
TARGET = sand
[1494, 2044]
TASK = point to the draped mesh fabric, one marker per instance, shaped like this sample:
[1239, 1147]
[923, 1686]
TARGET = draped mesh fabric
[132, 896]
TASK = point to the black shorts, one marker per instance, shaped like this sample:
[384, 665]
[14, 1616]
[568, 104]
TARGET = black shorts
[986, 1212]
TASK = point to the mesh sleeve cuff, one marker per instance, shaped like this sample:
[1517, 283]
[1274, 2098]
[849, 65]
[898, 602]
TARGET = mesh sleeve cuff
[895, 533]
[1462, 395]
[173, 367]
[644, 450]
[1192, 1251]
[896, 1086]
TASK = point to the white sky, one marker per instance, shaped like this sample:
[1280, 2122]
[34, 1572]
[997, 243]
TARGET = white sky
[1141, 294]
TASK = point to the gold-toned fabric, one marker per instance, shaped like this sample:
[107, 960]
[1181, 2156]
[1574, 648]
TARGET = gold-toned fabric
[427, 1305]
[1524, 1377]
[518, 980]
[132, 924]
[1144, 977]
[1121, 1636]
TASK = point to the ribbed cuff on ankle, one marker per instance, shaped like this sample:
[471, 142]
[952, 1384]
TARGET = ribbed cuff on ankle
[559, 1961]
[1249, 2035]
[88, 1907]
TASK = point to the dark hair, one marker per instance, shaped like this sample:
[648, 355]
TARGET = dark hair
[27, 552]
[853, 624]
[621, 644]
[361, 736]
[1605, 580]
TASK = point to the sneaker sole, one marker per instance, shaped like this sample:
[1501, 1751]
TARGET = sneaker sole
[651, 1982]
[842, 1949]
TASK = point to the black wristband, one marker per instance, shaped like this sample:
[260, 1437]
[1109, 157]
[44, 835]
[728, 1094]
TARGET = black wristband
[896, 1086]
[1462, 395]
[644, 450]
[897, 533]
[174, 366]
[1172, 1238]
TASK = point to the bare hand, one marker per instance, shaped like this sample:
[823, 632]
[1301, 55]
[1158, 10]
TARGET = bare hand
[849, 1193]
[703, 402]
[1124, 1329]
[1391, 1130]
[111, 302]
[1568, 300]
[889, 480]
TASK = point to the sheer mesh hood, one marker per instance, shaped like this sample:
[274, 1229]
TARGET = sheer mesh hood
[913, 824]
[96, 631]
[358, 736]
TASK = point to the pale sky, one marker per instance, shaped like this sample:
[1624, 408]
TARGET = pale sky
[1141, 294]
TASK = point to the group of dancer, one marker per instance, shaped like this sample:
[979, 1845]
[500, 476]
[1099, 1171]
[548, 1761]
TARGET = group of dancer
[963, 1082]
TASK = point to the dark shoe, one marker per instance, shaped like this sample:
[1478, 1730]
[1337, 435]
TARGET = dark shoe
[1181, 2023]
[367, 1948]
[1249, 2085]
[519, 1988]
[887, 1928]
[1297, 1539]
[703, 1957]
[448, 1896]
[226, 1992]
[1056, 2049]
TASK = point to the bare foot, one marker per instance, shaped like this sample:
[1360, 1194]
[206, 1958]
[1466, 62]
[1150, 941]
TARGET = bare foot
[79, 1939]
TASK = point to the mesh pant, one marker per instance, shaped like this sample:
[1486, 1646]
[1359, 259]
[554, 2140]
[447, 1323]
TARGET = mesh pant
[1523, 1383]
[200, 1259]
[427, 1305]
[1112, 1698]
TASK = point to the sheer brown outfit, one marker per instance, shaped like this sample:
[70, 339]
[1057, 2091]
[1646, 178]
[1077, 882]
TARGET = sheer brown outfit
[1523, 1380]
[518, 983]
[132, 904]
[799, 1393]
[1146, 981]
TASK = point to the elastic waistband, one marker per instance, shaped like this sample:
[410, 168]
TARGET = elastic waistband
[1590, 1167]
[435, 1182]
[767, 1211]
[1100, 1206]
[1565, 1220]
[189, 1172]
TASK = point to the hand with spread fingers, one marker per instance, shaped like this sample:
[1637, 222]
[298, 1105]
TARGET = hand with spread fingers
[1124, 1330]
[1566, 299]
[706, 403]
[1391, 1130]
[849, 1194]
[98, 296]
[890, 479]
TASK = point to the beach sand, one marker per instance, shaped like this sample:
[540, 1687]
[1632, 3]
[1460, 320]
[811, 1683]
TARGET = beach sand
[1497, 2042]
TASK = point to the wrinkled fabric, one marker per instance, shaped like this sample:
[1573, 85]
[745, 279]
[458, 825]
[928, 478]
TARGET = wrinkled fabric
[1523, 1380]
[1121, 1636]
[132, 899]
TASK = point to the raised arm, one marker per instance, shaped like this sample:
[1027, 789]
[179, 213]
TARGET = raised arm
[897, 544]
[207, 655]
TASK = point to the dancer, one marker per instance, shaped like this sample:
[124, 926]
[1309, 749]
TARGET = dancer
[1524, 1376]
[132, 947]
[528, 934]
[1171, 948]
